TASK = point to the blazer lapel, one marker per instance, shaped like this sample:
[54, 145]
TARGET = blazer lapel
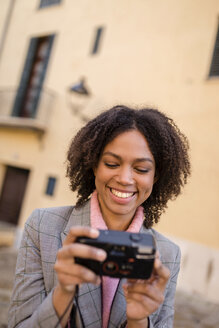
[89, 295]
[80, 216]
[89, 301]
[118, 308]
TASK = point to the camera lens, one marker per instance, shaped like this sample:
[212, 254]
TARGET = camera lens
[110, 267]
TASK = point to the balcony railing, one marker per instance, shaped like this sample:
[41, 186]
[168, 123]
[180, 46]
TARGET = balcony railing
[42, 117]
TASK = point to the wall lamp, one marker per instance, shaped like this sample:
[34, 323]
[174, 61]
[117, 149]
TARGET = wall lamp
[80, 88]
[78, 103]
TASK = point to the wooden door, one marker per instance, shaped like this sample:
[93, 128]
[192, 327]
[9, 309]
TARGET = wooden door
[12, 194]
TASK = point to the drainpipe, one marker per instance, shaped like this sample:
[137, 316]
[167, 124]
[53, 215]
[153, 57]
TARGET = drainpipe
[6, 26]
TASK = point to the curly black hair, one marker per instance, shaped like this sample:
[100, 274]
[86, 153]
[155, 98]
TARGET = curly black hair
[167, 143]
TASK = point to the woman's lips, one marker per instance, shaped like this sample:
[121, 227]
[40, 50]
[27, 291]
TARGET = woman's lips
[121, 194]
[121, 197]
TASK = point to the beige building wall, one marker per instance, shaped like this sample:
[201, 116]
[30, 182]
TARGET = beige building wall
[153, 53]
[4, 13]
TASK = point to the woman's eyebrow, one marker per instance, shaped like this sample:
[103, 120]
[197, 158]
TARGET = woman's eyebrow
[142, 159]
[112, 154]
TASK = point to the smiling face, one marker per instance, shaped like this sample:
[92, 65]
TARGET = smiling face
[124, 178]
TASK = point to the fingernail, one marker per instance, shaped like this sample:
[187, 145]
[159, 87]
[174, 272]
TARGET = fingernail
[98, 281]
[69, 288]
[94, 232]
[101, 253]
[157, 263]
[125, 291]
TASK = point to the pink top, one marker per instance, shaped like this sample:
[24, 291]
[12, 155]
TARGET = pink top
[109, 285]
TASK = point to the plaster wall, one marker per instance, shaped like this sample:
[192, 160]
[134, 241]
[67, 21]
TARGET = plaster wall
[152, 53]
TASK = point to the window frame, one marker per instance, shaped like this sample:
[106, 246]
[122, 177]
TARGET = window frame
[48, 3]
[50, 186]
[214, 67]
[97, 40]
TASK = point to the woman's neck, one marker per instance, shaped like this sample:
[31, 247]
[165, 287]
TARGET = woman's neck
[113, 220]
[117, 222]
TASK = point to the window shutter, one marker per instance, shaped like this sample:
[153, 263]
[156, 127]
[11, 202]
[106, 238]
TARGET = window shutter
[214, 70]
[42, 77]
[19, 103]
[97, 40]
[25, 77]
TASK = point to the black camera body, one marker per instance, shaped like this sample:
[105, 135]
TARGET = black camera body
[129, 255]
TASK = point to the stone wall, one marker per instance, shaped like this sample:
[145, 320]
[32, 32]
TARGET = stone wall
[199, 270]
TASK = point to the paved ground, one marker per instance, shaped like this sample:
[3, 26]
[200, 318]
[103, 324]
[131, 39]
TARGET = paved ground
[191, 310]
[7, 268]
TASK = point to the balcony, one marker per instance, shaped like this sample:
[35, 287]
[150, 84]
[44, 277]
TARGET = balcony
[39, 123]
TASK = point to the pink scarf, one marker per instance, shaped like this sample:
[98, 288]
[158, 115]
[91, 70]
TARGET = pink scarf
[109, 285]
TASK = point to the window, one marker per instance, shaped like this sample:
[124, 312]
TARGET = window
[32, 78]
[214, 70]
[47, 3]
[97, 40]
[50, 186]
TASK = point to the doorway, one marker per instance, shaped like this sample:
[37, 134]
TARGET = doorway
[13, 190]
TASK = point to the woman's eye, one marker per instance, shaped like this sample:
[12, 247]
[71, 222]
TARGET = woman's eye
[111, 165]
[142, 170]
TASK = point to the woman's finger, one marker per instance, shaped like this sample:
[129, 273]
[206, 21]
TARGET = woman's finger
[143, 299]
[78, 231]
[76, 270]
[162, 274]
[145, 305]
[145, 289]
[66, 280]
[72, 250]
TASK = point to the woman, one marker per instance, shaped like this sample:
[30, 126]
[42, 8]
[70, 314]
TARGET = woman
[125, 165]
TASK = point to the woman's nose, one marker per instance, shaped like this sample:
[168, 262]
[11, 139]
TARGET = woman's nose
[125, 176]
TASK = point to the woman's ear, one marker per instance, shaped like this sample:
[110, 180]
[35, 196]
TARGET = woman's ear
[156, 177]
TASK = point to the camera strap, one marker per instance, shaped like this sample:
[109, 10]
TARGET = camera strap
[66, 310]
[73, 313]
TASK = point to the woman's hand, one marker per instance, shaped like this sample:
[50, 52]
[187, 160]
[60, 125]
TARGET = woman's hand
[143, 297]
[70, 273]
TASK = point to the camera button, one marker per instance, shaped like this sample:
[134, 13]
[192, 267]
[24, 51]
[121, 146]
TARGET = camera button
[136, 237]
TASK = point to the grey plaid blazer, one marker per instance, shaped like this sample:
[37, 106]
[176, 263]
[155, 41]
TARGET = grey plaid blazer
[31, 303]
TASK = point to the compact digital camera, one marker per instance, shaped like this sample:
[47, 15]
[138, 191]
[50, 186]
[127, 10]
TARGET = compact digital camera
[129, 255]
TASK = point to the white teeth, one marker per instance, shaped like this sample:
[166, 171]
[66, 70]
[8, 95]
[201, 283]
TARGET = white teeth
[122, 194]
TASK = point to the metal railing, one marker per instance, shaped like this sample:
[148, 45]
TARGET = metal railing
[43, 113]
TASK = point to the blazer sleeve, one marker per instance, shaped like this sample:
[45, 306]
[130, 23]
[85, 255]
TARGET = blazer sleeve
[31, 305]
[164, 317]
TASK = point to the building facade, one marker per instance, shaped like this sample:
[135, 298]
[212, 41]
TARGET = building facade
[62, 62]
